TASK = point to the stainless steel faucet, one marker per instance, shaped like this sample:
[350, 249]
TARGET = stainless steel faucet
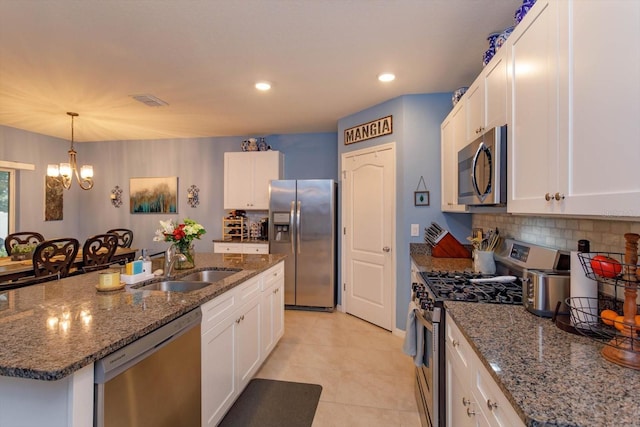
[170, 258]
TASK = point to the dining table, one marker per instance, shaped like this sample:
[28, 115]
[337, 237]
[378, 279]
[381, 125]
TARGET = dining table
[12, 270]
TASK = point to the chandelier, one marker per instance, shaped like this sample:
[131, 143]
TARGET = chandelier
[66, 170]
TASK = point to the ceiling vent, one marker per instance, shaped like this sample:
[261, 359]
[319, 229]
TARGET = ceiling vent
[150, 100]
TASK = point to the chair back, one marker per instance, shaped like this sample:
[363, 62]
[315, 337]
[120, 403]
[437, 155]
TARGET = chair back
[98, 250]
[125, 236]
[22, 238]
[55, 256]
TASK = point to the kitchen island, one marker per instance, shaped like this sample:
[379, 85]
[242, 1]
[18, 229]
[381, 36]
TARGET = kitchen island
[53, 333]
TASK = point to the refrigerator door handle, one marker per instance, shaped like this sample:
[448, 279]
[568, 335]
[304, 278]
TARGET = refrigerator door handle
[291, 214]
[298, 225]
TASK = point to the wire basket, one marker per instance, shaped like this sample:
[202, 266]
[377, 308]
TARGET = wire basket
[585, 317]
[603, 271]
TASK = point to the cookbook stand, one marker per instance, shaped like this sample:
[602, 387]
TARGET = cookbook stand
[622, 347]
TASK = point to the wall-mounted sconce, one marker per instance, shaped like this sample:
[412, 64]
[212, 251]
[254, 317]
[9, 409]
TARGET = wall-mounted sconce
[193, 199]
[116, 196]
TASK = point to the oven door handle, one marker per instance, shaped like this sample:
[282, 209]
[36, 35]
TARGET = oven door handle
[427, 324]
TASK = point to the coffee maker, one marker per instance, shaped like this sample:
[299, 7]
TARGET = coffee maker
[264, 228]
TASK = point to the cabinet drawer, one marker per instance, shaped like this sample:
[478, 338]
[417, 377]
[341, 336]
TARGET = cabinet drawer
[460, 350]
[229, 248]
[217, 309]
[249, 289]
[255, 248]
[273, 275]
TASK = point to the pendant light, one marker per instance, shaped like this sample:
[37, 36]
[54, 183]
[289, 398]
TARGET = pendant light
[66, 170]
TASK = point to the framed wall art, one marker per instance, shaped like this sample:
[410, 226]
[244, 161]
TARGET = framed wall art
[53, 198]
[421, 198]
[153, 195]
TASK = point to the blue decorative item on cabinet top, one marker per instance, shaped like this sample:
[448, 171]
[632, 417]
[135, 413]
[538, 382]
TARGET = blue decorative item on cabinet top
[522, 10]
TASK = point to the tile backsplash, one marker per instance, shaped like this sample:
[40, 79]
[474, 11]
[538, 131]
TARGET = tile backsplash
[558, 232]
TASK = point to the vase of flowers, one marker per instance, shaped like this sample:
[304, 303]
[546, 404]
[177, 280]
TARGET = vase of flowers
[182, 236]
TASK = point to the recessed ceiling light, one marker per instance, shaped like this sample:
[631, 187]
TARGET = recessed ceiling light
[263, 86]
[386, 77]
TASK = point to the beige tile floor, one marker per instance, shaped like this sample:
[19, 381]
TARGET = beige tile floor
[366, 379]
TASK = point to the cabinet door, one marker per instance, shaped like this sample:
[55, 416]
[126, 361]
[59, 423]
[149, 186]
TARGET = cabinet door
[219, 384]
[600, 170]
[272, 312]
[238, 180]
[459, 399]
[474, 104]
[248, 342]
[495, 90]
[266, 169]
[533, 91]
[227, 248]
[259, 248]
[453, 138]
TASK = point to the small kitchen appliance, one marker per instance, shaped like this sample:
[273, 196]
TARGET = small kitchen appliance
[543, 289]
[434, 288]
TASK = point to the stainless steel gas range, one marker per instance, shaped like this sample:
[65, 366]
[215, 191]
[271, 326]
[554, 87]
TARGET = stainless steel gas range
[434, 288]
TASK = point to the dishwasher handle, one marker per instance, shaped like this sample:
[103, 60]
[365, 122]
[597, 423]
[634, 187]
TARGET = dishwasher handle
[120, 360]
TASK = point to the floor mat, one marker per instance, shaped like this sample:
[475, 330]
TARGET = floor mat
[268, 403]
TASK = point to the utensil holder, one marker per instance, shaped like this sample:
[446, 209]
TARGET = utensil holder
[483, 262]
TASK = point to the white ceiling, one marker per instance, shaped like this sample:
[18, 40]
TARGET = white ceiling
[204, 56]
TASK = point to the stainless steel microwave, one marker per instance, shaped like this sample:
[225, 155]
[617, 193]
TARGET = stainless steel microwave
[482, 170]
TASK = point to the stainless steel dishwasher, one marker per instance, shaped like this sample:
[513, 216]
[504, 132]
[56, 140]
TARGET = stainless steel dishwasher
[154, 381]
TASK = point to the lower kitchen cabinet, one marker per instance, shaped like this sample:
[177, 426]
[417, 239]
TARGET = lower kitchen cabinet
[272, 308]
[473, 397]
[233, 331]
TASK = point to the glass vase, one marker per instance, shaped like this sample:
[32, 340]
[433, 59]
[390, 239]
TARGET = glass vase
[190, 254]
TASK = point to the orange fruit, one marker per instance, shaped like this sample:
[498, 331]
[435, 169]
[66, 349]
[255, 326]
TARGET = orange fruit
[608, 317]
[637, 319]
[619, 323]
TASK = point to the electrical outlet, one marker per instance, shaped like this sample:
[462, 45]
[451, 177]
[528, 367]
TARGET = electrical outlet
[415, 230]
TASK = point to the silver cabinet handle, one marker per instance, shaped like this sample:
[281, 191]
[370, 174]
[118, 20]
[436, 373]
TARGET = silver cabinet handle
[558, 196]
[465, 401]
[547, 197]
[470, 413]
[386, 249]
[491, 405]
[455, 343]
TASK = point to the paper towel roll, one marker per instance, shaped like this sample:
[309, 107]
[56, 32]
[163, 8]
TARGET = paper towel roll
[585, 309]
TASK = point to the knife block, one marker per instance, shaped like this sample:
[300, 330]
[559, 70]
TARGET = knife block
[449, 247]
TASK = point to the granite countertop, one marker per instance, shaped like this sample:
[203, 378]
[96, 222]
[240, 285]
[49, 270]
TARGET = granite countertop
[51, 330]
[237, 240]
[551, 377]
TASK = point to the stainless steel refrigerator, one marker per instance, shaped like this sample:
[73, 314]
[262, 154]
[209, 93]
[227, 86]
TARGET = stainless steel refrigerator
[302, 224]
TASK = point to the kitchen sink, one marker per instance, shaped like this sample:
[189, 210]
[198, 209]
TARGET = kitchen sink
[175, 286]
[209, 275]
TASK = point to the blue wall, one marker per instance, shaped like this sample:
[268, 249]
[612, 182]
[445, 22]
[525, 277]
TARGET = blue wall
[416, 132]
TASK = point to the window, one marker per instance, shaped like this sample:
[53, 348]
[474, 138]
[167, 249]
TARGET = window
[7, 205]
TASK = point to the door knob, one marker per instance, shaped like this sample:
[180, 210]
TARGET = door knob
[386, 249]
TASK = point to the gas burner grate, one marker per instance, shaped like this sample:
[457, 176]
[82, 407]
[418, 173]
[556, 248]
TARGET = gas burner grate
[455, 286]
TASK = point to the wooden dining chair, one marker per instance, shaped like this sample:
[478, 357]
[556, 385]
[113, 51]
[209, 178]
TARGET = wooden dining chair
[125, 236]
[22, 238]
[98, 250]
[55, 257]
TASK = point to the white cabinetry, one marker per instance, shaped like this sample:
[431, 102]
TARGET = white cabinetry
[473, 397]
[474, 104]
[272, 326]
[572, 142]
[234, 327]
[230, 347]
[247, 176]
[453, 138]
[240, 248]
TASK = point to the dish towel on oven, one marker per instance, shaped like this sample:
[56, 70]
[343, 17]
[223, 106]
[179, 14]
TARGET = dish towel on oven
[414, 338]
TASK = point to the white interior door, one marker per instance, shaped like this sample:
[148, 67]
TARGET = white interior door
[368, 201]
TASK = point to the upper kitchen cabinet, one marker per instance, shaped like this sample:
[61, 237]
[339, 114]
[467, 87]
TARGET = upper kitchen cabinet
[247, 176]
[532, 137]
[453, 132]
[486, 99]
[572, 143]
